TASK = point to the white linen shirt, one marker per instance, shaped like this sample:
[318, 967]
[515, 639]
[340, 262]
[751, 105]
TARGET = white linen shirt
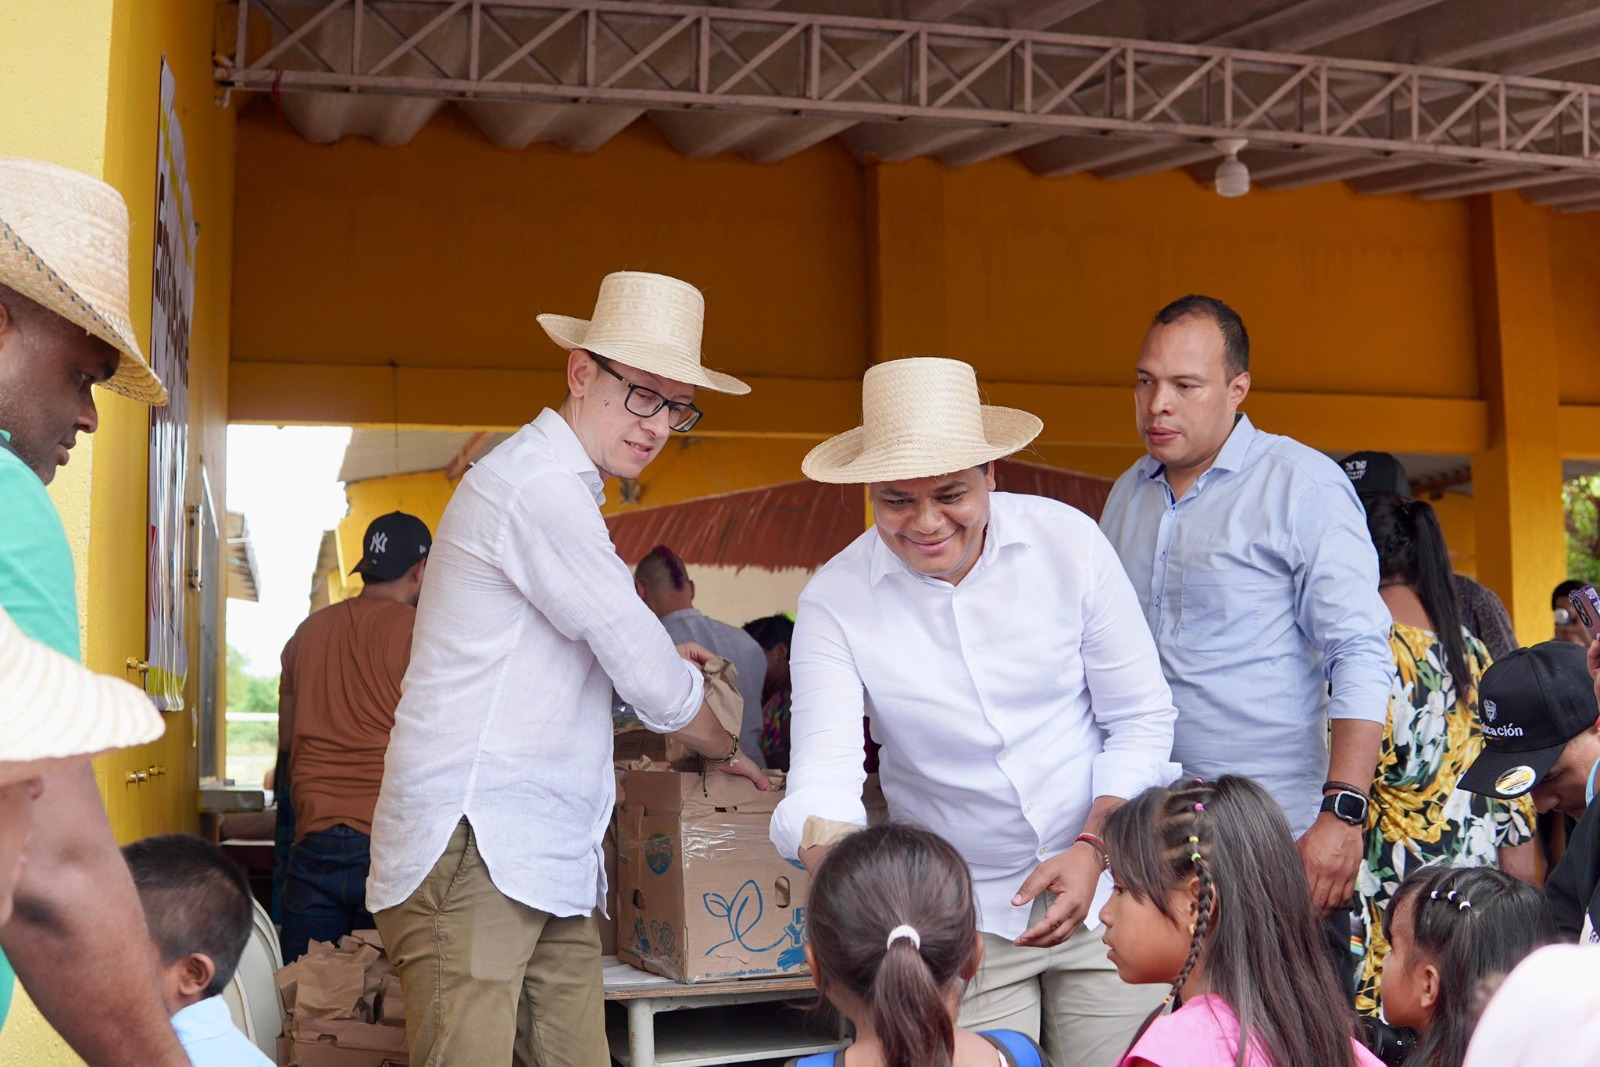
[1005, 704]
[527, 620]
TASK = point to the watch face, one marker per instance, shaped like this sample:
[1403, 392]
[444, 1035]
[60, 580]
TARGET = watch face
[1350, 807]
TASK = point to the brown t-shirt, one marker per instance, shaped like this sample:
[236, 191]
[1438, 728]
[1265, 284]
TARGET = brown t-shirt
[342, 669]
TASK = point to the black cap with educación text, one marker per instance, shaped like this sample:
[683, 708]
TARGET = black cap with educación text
[1531, 703]
[394, 543]
[1376, 472]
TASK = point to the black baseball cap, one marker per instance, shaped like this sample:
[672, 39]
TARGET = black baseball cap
[1531, 703]
[394, 543]
[1376, 472]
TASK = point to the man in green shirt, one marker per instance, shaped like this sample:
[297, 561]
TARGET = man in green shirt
[77, 937]
[39, 681]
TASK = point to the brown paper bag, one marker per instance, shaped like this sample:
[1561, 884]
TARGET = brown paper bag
[331, 986]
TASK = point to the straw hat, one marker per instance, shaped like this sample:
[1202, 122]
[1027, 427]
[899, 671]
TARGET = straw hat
[64, 245]
[920, 417]
[53, 709]
[649, 321]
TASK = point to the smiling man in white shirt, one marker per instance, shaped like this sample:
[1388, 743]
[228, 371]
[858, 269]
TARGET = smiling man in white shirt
[1002, 657]
[486, 856]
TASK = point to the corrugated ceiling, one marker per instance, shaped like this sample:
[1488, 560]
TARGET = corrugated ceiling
[1557, 39]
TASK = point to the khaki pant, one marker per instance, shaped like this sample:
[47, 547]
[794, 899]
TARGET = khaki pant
[489, 981]
[1068, 998]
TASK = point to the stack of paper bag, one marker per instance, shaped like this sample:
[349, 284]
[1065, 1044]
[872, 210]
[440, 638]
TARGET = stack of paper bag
[343, 1007]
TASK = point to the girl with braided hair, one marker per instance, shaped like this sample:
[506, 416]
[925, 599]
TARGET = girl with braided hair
[1211, 898]
[893, 941]
[1449, 929]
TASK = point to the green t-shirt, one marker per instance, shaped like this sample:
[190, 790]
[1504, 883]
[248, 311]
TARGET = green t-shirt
[36, 584]
[6, 979]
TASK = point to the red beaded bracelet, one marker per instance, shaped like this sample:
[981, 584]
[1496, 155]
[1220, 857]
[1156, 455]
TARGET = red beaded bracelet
[1099, 846]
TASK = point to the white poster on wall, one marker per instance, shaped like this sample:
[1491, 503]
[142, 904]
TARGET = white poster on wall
[171, 309]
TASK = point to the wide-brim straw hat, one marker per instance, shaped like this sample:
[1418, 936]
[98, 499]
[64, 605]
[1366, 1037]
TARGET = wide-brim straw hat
[648, 321]
[64, 245]
[920, 418]
[54, 709]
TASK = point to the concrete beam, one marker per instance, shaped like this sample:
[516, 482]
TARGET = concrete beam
[814, 408]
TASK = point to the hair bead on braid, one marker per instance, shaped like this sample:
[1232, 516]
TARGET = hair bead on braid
[1202, 923]
[1452, 897]
[1491, 922]
[1222, 852]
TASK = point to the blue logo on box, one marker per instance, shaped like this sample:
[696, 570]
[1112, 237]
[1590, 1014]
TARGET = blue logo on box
[743, 914]
[658, 853]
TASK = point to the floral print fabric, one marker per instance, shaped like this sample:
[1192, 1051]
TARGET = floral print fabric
[1418, 816]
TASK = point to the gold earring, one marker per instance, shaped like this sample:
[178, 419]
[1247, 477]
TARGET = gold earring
[1193, 926]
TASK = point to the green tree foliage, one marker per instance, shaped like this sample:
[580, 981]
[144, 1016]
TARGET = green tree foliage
[249, 692]
[1581, 496]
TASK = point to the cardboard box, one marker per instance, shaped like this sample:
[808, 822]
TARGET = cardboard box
[701, 893]
[346, 1043]
[631, 744]
[607, 920]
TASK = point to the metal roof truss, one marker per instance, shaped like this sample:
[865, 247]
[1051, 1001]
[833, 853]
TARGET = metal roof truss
[639, 54]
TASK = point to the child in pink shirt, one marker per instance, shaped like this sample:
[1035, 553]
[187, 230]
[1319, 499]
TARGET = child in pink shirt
[1210, 898]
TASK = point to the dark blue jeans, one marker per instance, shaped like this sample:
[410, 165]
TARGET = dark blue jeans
[324, 894]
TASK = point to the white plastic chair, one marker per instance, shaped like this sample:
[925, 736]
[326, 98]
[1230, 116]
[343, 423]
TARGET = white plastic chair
[252, 994]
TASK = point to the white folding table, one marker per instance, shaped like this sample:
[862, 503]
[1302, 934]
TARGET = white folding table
[710, 1023]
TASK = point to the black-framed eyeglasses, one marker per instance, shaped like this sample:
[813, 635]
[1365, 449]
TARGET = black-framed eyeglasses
[646, 402]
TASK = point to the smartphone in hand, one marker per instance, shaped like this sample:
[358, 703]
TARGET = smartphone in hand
[1586, 607]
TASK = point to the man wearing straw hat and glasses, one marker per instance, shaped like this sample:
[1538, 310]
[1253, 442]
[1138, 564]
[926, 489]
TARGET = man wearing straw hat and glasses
[486, 854]
[1000, 653]
[78, 936]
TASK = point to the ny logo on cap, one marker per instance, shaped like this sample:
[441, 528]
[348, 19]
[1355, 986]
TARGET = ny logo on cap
[380, 543]
[1489, 710]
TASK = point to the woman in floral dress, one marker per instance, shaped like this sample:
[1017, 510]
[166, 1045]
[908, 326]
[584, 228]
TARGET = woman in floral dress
[1418, 816]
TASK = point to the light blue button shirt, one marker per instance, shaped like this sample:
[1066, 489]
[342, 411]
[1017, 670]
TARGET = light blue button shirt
[208, 1035]
[1261, 587]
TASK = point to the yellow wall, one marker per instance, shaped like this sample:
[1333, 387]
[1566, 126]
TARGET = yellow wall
[80, 85]
[1458, 517]
[1054, 281]
[442, 252]
[811, 264]
[143, 33]
[424, 495]
[1362, 310]
[1517, 477]
[1575, 268]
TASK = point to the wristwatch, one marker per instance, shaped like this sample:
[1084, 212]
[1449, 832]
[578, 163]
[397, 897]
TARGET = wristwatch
[1347, 805]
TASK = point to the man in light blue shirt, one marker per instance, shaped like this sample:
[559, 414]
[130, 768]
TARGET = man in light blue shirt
[1250, 554]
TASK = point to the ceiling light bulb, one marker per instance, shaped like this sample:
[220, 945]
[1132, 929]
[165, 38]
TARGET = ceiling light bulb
[1233, 177]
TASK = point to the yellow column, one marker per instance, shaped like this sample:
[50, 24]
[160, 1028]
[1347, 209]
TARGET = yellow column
[54, 74]
[1517, 481]
[54, 71]
[907, 297]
